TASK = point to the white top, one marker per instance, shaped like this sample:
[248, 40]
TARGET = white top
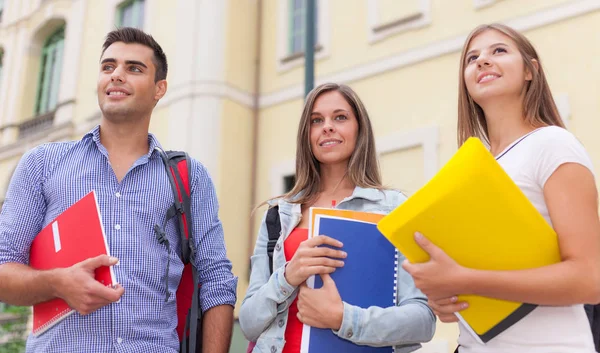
[530, 162]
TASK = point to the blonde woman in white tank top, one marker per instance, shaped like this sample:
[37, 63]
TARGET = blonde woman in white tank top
[504, 99]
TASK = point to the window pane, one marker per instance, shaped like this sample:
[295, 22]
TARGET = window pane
[51, 66]
[297, 30]
[131, 14]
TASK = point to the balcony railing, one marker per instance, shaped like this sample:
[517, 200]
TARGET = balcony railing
[35, 125]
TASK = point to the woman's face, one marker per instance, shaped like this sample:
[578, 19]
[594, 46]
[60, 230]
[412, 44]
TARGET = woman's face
[494, 68]
[333, 129]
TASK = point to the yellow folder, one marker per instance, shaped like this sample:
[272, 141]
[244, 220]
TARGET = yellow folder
[474, 211]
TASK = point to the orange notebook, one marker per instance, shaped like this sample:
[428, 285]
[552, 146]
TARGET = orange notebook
[75, 235]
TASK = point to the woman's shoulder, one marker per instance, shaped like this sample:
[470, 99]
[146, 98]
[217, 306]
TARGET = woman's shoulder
[391, 198]
[554, 135]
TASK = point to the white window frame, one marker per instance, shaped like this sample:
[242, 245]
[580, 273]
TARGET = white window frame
[479, 4]
[285, 61]
[378, 31]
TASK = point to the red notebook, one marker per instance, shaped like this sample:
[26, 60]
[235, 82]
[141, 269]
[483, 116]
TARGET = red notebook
[75, 235]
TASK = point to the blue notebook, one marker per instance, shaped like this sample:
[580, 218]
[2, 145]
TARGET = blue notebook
[368, 278]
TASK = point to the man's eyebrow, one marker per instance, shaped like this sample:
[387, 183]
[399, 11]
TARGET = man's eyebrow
[135, 62]
[128, 62]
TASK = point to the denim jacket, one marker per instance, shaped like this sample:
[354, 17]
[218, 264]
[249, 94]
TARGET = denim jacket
[264, 311]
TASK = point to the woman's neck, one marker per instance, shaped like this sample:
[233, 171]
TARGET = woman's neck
[505, 124]
[335, 182]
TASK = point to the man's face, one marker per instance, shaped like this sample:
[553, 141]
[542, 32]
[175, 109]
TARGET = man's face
[126, 87]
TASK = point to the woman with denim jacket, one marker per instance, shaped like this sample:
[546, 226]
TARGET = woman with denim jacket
[336, 163]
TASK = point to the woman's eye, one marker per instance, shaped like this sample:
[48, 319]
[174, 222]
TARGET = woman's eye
[471, 58]
[316, 120]
[341, 117]
[499, 50]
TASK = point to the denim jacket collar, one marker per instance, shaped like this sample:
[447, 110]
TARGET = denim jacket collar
[369, 194]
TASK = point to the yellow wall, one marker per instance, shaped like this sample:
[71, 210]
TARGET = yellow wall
[241, 45]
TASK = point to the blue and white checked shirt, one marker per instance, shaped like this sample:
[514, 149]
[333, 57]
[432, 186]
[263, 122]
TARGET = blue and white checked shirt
[53, 176]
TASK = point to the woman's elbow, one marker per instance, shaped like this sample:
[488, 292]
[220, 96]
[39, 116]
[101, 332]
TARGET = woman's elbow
[247, 324]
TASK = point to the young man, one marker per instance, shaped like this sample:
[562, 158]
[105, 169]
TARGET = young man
[118, 160]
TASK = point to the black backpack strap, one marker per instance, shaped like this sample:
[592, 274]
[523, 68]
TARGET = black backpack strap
[274, 231]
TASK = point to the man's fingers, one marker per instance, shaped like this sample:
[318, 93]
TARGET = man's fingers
[107, 293]
[98, 261]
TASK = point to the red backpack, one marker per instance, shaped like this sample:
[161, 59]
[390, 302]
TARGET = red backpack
[189, 314]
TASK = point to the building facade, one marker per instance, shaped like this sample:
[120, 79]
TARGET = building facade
[236, 72]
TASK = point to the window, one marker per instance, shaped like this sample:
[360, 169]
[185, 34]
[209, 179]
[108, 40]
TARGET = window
[390, 17]
[288, 182]
[130, 14]
[51, 65]
[1, 9]
[297, 21]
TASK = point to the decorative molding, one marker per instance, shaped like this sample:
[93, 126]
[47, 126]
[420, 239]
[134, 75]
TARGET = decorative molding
[285, 61]
[479, 4]
[378, 31]
[427, 138]
[424, 137]
[19, 147]
[207, 88]
[430, 51]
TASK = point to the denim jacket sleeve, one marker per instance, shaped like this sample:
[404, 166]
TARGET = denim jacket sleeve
[267, 295]
[403, 326]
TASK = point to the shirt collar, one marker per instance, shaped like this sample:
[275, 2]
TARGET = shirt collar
[153, 143]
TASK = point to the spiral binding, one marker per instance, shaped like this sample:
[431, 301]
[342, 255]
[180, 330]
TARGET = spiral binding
[56, 319]
[396, 254]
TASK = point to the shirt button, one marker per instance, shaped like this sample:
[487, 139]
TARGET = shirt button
[284, 291]
[273, 349]
[281, 323]
[117, 226]
[119, 340]
[118, 194]
[349, 334]
[278, 247]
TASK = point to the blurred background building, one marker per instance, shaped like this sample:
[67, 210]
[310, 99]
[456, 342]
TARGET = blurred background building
[236, 84]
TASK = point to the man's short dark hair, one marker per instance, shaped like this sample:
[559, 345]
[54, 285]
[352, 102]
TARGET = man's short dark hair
[131, 35]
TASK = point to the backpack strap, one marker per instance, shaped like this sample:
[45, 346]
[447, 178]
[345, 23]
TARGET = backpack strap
[188, 306]
[274, 231]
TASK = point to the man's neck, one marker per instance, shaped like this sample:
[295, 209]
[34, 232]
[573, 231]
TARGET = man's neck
[125, 138]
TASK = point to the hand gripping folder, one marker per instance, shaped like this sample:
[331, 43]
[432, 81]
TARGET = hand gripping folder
[474, 211]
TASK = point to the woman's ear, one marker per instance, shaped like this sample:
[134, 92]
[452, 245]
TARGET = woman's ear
[528, 73]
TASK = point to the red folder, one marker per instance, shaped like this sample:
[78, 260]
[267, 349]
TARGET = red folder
[75, 235]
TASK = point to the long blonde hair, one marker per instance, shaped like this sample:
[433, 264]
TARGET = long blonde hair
[539, 108]
[363, 167]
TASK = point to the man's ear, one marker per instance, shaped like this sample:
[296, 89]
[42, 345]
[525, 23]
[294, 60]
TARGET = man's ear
[529, 74]
[161, 89]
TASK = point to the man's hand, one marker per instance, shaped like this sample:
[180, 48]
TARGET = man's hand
[79, 288]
